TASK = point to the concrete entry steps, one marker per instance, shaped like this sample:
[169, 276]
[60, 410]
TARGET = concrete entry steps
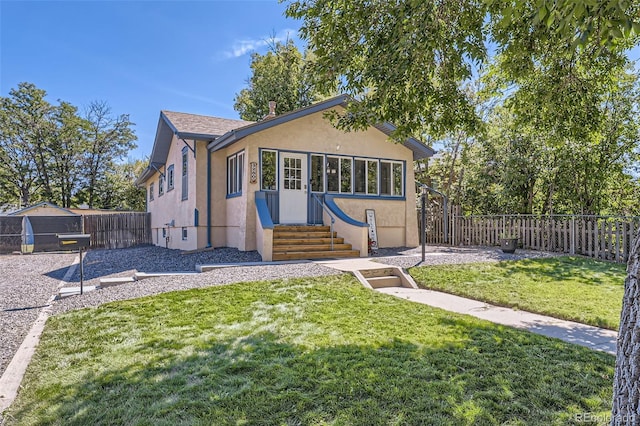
[384, 277]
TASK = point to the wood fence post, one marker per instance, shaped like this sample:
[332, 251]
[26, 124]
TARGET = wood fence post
[572, 250]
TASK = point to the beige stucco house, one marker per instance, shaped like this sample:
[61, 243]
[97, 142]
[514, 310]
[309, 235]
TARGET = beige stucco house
[214, 182]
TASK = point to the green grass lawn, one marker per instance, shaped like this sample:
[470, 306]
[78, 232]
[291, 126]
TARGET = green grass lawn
[323, 351]
[577, 289]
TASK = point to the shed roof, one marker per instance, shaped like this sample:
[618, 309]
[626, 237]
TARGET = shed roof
[43, 205]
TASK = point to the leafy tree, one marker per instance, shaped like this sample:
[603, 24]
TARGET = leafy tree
[116, 189]
[109, 139]
[66, 152]
[50, 153]
[25, 131]
[405, 61]
[281, 75]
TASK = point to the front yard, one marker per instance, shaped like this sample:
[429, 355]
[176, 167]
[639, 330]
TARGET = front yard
[313, 351]
[573, 288]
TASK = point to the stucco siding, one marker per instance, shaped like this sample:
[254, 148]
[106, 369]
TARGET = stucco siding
[218, 198]
[391, 218]
[170, 207]
[229, 214]
[315, 134]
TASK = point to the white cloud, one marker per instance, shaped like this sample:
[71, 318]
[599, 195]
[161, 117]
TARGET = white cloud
[244, 46]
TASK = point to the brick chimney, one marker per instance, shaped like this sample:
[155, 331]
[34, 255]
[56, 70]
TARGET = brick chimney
[272, 111]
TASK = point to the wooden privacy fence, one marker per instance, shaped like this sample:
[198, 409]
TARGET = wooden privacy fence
[118, 230]
[111, 231]
[600, 237]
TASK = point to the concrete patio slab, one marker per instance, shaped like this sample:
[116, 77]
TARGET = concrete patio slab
[73, 291]
[352, 264]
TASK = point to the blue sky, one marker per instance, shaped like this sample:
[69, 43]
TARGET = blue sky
[139, 56]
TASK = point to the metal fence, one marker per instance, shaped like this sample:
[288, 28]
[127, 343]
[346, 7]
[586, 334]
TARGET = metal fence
[10, 233]
[600, 237]
[118, 230]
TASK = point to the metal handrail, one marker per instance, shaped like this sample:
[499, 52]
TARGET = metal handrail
[326, 209]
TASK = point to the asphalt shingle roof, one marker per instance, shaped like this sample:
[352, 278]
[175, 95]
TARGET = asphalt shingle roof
[202, 124]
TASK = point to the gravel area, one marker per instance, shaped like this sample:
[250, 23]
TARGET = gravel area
[157, 285]
[26, 284]
[126, 262]
[406, 257]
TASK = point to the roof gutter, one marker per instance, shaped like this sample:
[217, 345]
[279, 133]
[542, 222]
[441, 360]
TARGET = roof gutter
[195, 136]
[147, 173]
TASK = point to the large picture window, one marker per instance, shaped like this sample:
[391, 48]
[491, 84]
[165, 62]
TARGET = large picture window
[268, 167]
[235, 172]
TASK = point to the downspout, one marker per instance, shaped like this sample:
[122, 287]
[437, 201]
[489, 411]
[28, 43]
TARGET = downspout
[209, 199]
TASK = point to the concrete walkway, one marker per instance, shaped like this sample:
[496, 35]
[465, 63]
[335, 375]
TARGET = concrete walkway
[580, 334]
[584, 335]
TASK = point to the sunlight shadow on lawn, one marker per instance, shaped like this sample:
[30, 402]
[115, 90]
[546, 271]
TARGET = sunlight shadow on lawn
[497, 375]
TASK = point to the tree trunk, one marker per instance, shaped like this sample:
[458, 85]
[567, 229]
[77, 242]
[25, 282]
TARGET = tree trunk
[626, 382]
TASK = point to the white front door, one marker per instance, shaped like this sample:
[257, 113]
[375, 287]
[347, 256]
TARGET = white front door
[293, 188]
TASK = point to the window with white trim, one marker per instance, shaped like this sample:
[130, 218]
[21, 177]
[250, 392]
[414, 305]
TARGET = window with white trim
[345, 175]
[160, 185]
[391, 178]
[235, 171]
[333, 174]
[339, 174]
[365, 176]
[152, 188]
